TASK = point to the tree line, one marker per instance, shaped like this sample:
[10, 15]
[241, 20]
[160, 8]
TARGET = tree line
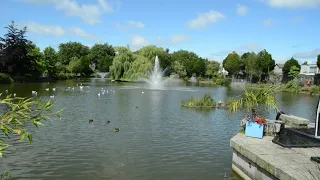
[21, 57]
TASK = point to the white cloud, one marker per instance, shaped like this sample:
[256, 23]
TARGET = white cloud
[268, 22]
[204, 19]
[130, 25]
[138, 41]
[178, 39]
[105, 6]
[89, 13]
[242, 10]
[310, 54]
[47, 30]
[281, 59]
[293, 3]
[252, 47]
[81, 33]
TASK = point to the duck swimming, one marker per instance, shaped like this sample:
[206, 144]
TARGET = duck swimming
[116, 129]
[90, 120]
[108, 122]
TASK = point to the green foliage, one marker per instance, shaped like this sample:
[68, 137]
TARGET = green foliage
[222, 81]
[71, 49]
[179, 69]
[212, 69]
[287, 66]
[252, 98]
[102, 55]
[190, 61]
[138, 68]
[63, 76]
[294, 72]
[232, 63]
[20, 113]
[14, 52]
[151, 51]
[267, 64]
[5, 79]
[252, 64]
[315, 90]
[50, 60]
[291, 86]
[206, 101]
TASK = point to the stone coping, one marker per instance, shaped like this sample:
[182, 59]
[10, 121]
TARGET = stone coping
[283, 163]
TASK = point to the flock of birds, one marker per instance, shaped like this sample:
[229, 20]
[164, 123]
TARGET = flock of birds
[82, 88]
[108, 122]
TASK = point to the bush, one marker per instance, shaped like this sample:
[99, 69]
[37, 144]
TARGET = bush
[5, 79]
[292, 86]
[206, 101]
[223, 81]
[63, 76]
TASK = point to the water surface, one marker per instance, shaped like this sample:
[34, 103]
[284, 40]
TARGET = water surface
[158, 139]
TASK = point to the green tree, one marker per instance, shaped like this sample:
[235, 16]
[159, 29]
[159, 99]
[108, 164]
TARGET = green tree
[252, 65]
[151, 52]
[102, 55]
[71, 49]
[212, 68]
[36, 58]
[14, 49]
[50, 60]
[139, 68]
[191, 61]
[121, 62]
[74, 65]
[179, 69]
[294, 72]
[287, 66]
[232, 63]
[267, 64]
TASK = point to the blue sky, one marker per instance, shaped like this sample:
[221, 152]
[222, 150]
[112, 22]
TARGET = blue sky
[210, 28]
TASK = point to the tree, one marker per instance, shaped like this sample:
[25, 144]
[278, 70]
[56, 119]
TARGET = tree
[36, 58]
[294, 72]
[212, 68]
[102, 55]
[151, 52]
[121, 63]
[179, 69]
[267, 64]
[232, 63]
[191, 61]
[318, 61]
[20, 112]
[252, 98]
[74, 65]
[71, 49]
[287, 66]
[14, 49]
[252, 65]
[50, 60]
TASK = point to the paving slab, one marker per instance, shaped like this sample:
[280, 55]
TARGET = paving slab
[283, 163]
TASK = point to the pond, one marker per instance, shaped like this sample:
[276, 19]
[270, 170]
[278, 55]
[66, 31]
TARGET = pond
[158, 139]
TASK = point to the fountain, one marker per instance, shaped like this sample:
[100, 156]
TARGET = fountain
[193, 79]
[102, 74]
[155, 79]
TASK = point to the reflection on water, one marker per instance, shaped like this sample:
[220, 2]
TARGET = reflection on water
[158, 139]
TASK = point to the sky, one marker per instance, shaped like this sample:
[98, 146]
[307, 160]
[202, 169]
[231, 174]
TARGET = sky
[210, 28]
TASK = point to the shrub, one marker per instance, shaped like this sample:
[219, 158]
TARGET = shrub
[5, 79]
[223, 81]
[206, 101]
[63, 76]
[292, 86]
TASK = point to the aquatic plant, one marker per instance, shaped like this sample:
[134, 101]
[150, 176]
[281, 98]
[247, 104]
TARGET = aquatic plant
[206, 101]
[252, 98]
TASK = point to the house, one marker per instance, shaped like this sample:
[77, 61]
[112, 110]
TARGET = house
[222, 71]
[309, 69]
[278, 69]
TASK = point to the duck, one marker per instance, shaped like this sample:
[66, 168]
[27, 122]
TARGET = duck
[136, 106]
[52, 97]
[6, 91]
[53, 89]
[116, 129]
[14, 95]
[34, 93]
[108, 122]
[47, 89]
[90, 121]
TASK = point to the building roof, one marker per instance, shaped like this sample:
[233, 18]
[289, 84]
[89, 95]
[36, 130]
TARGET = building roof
[280, 65]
